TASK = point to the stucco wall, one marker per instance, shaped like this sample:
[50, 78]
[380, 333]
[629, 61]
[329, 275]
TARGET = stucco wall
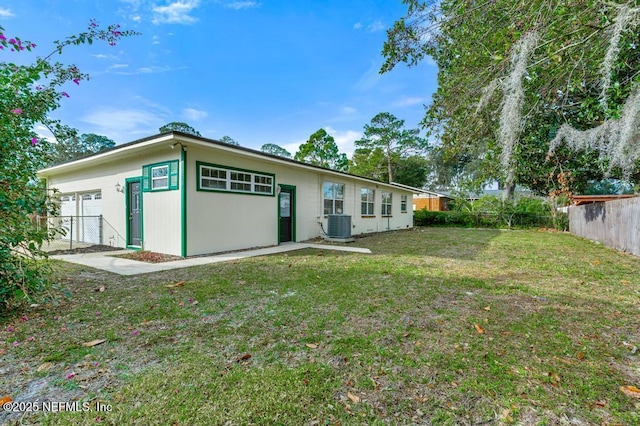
[228, 221]
[161, 210]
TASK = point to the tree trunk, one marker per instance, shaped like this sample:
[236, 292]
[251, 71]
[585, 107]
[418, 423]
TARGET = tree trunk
[389, 164]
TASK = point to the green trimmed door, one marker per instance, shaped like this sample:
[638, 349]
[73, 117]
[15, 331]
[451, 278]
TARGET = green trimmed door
[134, 213]
[286, 205]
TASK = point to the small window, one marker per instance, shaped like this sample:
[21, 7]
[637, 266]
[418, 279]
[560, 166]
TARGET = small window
[65, 198]
[386, 203]
[367, 197]
[403, 203]
[98, 196]
[160, 177]
[333, 198]
[86, 197]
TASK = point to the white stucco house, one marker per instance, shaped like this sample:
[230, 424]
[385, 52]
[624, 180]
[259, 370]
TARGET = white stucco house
[185, 195]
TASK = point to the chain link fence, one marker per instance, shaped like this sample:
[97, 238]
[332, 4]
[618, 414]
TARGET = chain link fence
[80, 232]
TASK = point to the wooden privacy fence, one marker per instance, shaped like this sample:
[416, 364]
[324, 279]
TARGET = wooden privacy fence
[614, 223]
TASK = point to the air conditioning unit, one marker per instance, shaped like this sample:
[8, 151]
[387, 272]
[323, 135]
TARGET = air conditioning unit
[339, 226]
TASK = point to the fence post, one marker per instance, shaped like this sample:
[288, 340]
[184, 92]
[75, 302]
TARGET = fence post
[71, 233]
[100, 229]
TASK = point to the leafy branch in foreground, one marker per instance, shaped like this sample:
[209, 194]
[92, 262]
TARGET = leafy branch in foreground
[28, 95]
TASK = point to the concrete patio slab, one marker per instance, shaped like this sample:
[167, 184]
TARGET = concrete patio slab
[106, 262]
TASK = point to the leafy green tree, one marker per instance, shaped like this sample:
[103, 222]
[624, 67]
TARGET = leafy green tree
[229, 140]
[512, 74]
[387, 133]
[179, 126]
[321, 150]
[69, 146]
[370, 163]
[411, 171]
[28, 95]
[273, 149]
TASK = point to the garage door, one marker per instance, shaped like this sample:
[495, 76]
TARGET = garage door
[86, 226]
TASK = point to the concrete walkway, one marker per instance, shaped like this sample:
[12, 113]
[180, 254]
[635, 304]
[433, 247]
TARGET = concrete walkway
[118, 265]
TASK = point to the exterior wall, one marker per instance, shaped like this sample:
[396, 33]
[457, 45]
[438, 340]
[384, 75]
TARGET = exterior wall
[161, 210]
[433, 203]
[219, 221]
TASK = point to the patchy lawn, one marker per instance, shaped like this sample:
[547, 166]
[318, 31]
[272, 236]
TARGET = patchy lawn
[439, 325]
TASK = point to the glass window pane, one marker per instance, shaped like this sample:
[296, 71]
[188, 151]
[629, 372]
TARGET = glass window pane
[339, 207]
[339, 191]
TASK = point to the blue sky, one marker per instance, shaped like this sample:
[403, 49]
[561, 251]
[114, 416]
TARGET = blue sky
[258, 71]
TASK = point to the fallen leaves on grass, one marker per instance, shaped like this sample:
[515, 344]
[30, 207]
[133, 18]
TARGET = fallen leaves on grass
[243, 357]
[5, 399]
[354, 398]
[631, 391]
[312, 345]
[178, 284]
[45, 367]
[479, 329]
[94, 343]
[100, 289]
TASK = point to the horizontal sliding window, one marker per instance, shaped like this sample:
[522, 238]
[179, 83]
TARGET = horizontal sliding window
[212, 177]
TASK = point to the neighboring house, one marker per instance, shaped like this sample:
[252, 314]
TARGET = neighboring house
[185, 195]
[431, 201]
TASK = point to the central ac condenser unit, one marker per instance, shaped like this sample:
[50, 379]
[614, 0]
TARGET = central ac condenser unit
[339, 226]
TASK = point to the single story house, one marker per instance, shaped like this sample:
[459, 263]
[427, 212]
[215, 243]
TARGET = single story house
[430, 200]
[180, 194]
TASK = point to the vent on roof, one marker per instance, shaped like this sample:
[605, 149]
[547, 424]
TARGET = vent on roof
[339, 226]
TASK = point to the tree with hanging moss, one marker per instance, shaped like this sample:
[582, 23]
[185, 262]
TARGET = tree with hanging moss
[28, 95]
[538, 93]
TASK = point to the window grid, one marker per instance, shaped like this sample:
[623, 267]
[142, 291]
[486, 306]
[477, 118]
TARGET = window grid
[403, 203]
[333, 198]
[386, 203]
[367, 198]
[218, 178]
[160, 177]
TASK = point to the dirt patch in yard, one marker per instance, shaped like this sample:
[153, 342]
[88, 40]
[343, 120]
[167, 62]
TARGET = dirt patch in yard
[149, 257]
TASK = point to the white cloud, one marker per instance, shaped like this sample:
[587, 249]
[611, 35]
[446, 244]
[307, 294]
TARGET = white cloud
[373, 27]
[155, 40]
[349, 110]
[193, 114]
[369, 78]
[136, 18]
[176, 12]
[238, 5]
[6, 13]
[344, 139]
[123, 125]
[376, 26]
[407, 101]
[142, 70]
[118, 66]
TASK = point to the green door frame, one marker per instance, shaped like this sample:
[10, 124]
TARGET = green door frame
[126, 212]
[293, 210]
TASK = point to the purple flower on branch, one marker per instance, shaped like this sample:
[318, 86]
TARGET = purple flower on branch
[16, 111]
[34, 141]
[76, 81]
[65, 94]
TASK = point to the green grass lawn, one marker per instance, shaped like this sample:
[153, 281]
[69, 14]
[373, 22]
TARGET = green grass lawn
[439, 325]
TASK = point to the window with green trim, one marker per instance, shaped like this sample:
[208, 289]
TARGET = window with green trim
[160, 176]
[213, 177]
[403, 204]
